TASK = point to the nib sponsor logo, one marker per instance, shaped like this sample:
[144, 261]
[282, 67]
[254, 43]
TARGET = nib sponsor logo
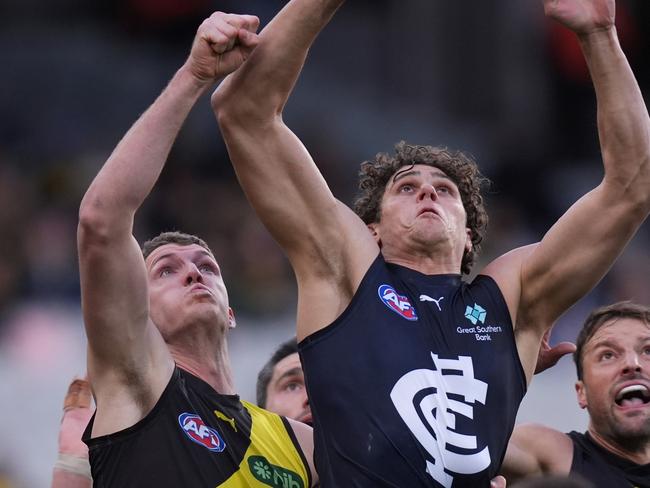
[272, 475]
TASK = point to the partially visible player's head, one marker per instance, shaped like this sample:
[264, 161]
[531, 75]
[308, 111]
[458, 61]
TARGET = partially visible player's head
[173, 237]
[613, 362]
[460, 168]
[602, 317]
[186, 289]
[281, 384]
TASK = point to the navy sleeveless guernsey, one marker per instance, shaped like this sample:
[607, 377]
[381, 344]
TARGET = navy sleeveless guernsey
[416, 384]
[603, 468]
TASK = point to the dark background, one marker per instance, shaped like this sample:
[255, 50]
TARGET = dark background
[494, 78]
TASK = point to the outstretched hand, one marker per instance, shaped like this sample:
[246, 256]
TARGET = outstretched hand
[222, 43]
[582, 16]
[548, 356]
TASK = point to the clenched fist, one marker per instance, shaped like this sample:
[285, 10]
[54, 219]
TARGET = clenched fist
[582, 16]
[222, 43]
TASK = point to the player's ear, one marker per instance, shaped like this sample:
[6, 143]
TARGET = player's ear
[374, 230]
[232, 323]
[581, 392]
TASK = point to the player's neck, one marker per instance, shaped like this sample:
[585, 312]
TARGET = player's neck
[212, 368]
[638, 453]
[429, 264]
[425, 257]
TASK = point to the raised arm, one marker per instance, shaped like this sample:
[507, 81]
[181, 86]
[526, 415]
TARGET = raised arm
[326, 243]
[128, 362]
[579, 249]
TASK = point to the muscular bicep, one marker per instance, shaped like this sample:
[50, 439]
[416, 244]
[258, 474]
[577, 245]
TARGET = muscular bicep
[291, 197]
[576, 252]
[114, 301]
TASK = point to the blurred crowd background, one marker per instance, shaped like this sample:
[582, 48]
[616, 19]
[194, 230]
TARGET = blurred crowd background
[492, 77]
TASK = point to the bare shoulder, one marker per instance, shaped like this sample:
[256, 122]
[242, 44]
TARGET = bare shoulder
[552, 448]
[506, 271]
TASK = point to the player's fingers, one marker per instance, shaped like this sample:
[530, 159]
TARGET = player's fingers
[498, 482]
[249, 22]
[558, 352]
[78, 396]
[247, 39]
[218, 33]
[564, 348]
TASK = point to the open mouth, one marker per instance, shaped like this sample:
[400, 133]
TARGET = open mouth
[633, 396]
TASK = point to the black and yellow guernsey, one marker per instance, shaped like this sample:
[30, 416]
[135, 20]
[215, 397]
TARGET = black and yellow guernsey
[416, 384]
[196, 437]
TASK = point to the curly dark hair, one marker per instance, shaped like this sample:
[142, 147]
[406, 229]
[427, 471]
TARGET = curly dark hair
[460, 167]
[174, 237]
[602, 316]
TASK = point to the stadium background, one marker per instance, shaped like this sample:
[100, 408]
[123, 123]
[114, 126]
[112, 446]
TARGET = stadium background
[491, 77]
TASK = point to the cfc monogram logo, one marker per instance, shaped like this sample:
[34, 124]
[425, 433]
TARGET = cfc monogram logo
[440, 413]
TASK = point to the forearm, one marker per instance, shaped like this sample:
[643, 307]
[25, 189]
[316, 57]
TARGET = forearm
[261, 87]
[72, 476]
[130, 172]
[623, 123]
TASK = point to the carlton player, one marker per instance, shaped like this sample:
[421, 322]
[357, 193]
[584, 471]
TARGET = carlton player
[415, 376]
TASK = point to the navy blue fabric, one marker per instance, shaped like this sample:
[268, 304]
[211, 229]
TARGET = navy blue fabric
[604, 469]
[434, 348]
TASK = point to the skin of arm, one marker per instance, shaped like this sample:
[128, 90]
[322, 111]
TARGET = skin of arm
[536, 450]
[329, 247]
[540, 282]
[305, 436]
[128, 362]
[72, 469]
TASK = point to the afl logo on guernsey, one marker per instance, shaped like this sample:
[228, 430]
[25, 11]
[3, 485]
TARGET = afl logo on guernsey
[196, 430]
[397, 303]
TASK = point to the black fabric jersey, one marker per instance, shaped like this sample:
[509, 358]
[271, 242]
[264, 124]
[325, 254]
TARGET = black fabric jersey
[416, 384]
[194, 437]
[604, 469]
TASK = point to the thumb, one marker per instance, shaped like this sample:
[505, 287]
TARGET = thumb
[550, 357]
[562, 349]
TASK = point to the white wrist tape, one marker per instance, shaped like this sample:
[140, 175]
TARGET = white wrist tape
[73, 464]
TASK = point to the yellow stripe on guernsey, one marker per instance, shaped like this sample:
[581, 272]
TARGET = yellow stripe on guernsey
[272, 459]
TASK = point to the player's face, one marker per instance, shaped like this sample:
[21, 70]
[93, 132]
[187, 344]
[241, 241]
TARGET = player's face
[286, 394]
[422, 207]
[185, 286]
[616, 382]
